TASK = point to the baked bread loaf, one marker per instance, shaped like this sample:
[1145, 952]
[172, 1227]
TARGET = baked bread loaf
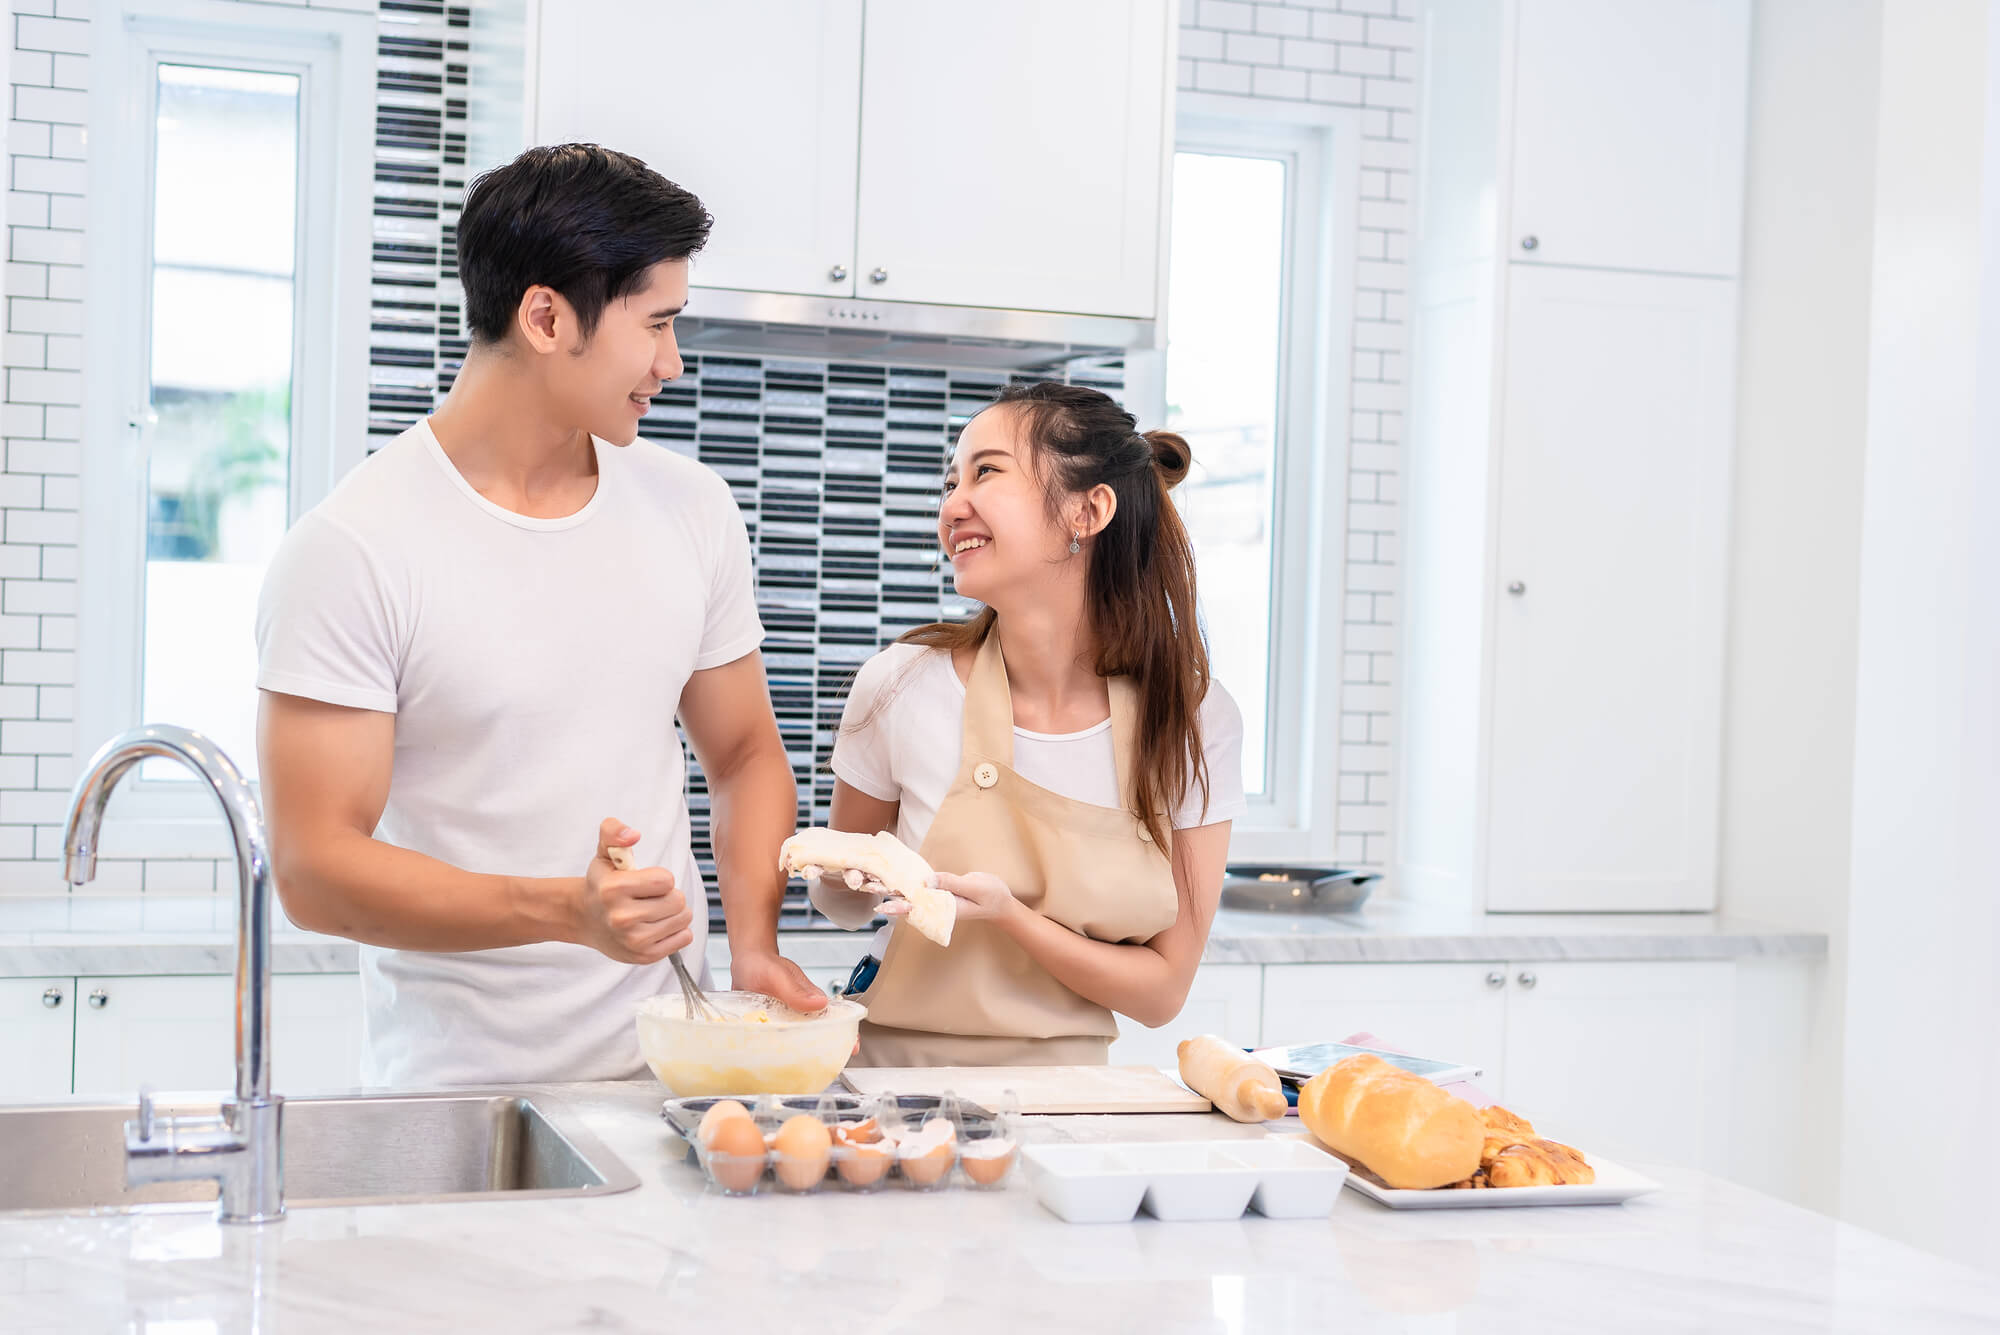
[1398, 1126]
[1238, 1084]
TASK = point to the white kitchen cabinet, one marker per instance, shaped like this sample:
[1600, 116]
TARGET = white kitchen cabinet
[1630, 1059]
[1455, 1012]
[1224, 999]
[1635, 1059]
[177, 1033]
[755, 108]
[1567, 467]
[949, 154]
[1014, 155]
[36, 1038]
[1628, 133]
[1606, 705]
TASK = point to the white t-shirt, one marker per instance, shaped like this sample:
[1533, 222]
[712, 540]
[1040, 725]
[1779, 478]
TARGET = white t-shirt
[903, 731]
[534, 667]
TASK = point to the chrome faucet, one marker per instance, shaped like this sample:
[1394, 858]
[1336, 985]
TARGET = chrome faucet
[239, 1146]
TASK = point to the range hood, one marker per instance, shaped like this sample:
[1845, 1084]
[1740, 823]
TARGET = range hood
[775, 324]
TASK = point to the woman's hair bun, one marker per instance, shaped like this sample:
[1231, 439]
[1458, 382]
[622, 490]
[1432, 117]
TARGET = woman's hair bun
[1171, 456]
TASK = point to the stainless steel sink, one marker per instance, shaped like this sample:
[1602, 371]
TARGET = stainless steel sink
[337, 1151]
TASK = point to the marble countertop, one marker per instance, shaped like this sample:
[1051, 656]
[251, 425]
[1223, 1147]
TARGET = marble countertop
[56, 936]
[672, 1255]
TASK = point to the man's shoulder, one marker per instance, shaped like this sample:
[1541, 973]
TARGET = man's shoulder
[377, 493]
[676, 480]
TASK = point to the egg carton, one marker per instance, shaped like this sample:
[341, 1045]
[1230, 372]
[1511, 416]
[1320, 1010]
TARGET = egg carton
[684, 1115]
[974, 1156]
[1279, 1177]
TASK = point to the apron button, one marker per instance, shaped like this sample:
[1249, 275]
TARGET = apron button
[985, 775]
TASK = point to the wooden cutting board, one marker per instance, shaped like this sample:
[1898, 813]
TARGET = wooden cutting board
[1042, 1089]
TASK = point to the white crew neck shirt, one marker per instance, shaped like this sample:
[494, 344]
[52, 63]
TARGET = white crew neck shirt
[534, 667]
[902, 734]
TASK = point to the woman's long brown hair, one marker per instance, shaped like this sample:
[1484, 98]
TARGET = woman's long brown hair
[1139, 585]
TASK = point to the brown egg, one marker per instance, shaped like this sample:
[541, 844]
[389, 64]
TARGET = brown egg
[803, 1147]
[858, 1133]
[862, 1165]
[926, 1157]
[721, 1112]
[736, 1154]
[987, 1169]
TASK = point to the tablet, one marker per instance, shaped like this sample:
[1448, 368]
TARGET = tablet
[1301, 1062]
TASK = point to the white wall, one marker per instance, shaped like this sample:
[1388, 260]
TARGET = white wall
[1924, 909]
[1801, 435]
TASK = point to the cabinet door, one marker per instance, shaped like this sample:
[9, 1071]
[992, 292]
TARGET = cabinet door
[1630, 1059]
[755, 108]
[1606, 713]
[1449, 1011]
[36, 1038]
[1011, 155]
[179, 1034]
[1628, 143]
[1225, 1000]
[169, 1033]
[315, 1033]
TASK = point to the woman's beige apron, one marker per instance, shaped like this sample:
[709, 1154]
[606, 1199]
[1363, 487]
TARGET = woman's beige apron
[983, 1001]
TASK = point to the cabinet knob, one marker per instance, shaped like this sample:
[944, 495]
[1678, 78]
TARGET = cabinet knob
[52, 998]
[1530, 242]
[1527, 978]
[1516, 588]
[98, 999]
[1496, 979]
[836, 273]
[878, 275]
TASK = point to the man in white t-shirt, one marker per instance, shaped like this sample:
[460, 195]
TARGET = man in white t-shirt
[472, 654]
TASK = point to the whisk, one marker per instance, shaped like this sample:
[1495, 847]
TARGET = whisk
[695, 1000]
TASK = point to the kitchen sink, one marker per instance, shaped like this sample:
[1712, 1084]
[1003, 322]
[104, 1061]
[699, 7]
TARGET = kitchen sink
[394, 1148]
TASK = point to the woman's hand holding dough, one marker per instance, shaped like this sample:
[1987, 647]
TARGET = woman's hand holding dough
[978, 895]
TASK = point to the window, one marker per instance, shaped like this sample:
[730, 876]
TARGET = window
[225, 279]
[1255, 376]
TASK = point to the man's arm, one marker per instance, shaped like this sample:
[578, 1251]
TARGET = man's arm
[325, 778]
[727, 713]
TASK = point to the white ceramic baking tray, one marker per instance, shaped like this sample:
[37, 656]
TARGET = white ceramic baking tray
[1084, 1184]
[1294, 1180]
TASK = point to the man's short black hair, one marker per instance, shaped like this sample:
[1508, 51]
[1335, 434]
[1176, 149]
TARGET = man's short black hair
[584, 220]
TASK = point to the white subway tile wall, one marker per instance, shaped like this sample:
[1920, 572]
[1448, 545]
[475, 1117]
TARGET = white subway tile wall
[1360, 54]
[1354, 54]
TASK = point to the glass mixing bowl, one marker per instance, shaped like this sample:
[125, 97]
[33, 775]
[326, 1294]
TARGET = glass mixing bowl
[760, 1046]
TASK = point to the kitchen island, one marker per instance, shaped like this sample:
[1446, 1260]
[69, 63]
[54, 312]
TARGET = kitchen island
[675, 1255]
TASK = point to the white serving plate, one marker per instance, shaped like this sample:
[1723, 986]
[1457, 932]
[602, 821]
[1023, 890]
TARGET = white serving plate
[1614, 1184]
[1295, 1180]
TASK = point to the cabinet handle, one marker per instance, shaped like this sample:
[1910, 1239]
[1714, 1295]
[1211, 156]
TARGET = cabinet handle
[1516, 588]
[878, 275]
[1527, 978]
[1530, 242]
[98, 999]
[1496, 979]
[52, 998]
[836, 273]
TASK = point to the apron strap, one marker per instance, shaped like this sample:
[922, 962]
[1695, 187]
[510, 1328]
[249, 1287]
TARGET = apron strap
[1124, 736]
[989, 707]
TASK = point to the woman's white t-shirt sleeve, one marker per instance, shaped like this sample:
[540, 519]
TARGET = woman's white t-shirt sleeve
[732, 628]
[1222, 748]
[864, 752]
[325, 621]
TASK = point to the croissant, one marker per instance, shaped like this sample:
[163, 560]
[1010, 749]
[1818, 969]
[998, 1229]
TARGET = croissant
[1539, 1163]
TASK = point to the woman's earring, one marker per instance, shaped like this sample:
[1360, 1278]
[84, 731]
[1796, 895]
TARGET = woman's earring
[1075, 543]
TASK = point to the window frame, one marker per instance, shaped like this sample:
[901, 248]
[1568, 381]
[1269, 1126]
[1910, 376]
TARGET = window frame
[1294, 818]
[333, 53]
